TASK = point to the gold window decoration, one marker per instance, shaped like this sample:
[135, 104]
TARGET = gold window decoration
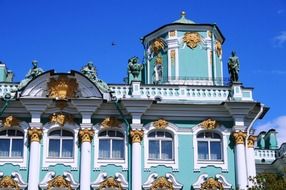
[192, 39]
[211, 183]
[110, 122]
[61, 118]
[160, 124]
[162, 183]
[59, 182]
[62, 88]
[209, 124]
[7, 182]
[10, 121]
[110, 182]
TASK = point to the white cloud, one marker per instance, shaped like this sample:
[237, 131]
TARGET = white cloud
[280, 39]
[279, 124]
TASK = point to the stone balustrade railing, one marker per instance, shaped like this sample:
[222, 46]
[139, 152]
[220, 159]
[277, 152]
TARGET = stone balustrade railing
[265, 155]
[7, 88]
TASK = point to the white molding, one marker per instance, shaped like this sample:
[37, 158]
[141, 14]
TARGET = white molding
[225, 133]
[202, 178]
[73, 162]
[22, 162]
[172, 128]
[18, 178]
[152, 177]
[50, 175]
[98, 162]
[103, 176]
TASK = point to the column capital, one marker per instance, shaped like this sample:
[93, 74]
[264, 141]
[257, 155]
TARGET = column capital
[136, 135]
[250, 141]
[35, 134]
[86, 135]
[239, 137]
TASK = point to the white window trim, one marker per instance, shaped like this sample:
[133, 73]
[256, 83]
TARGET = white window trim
[118, 162]
[171, 128]
[22, 162]
[73, 162]
[223, 164]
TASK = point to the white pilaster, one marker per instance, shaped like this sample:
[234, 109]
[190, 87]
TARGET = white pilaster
[137, 136]
[251, 169]
[240, 161]
[35, 135]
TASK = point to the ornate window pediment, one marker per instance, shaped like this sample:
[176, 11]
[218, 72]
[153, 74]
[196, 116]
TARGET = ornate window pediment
[204, 182]
[116, 182]
[167, 182]
[60, 182]
[7, 182]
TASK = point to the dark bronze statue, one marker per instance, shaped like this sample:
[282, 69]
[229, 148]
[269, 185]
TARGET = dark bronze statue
[233, 67]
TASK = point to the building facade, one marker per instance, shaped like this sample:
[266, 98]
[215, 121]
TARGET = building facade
[175, 124]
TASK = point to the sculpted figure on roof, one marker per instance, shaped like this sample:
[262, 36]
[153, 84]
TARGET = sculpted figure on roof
[233, 67]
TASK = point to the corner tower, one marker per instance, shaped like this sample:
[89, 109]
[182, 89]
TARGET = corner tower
[184, 52]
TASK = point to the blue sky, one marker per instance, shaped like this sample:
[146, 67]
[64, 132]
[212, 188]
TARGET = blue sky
[65, 34]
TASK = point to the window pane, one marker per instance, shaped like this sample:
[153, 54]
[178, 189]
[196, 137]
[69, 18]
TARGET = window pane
[4, 147]
[154, 149]
[167, 150]
[67, 133]
[54, 148]
[201, 135]
[160, 134]
[215, 150]
[169, 135]
[119, 134]
[67, 149]
[19, 133]
[55, 133]
[203, 150]
[11, 132]
[3, 133]
[208, 135]
[151, 134]
[111, 133]
[216, 136]
[104, 149]
[17, 147]
[117, 149]
[103, 133]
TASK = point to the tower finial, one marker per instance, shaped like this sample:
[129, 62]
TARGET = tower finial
[183, 14]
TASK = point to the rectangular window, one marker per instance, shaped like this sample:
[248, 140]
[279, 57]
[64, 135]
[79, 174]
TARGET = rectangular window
[4, 147]
[17, 148]
[104, 149]
[203, 150]
[167, 153]
[154, 150]
[67, 149]
[54, 148]
[215, 150]
[117, 149]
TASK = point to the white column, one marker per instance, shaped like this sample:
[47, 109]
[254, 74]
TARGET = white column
[86, 136]
[240, 161]
[251, 169]
[35, 136]
[136, 136]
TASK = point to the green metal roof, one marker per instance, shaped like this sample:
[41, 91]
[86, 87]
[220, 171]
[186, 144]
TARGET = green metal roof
[183, 19]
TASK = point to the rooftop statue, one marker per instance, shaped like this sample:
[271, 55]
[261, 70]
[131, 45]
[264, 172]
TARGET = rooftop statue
[134, 67]
[233, 67]
[89, 71]
[33, 72]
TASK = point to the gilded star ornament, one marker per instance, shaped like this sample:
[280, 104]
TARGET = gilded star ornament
[192, 39]
[10, 121]
[62, 88]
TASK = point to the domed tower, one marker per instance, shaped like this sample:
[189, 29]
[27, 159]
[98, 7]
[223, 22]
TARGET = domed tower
[184, 52]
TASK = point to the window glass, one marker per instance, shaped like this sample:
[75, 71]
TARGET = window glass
[167, 150]
[4, 147]
[66, 133]
[203, 150]
[104, 148]
[209, 146]
[54, 148]
[215, 148]
[67, 149]
[11, 143]
[118, 149]
[17, 147]
[154, 151]
[55, 133]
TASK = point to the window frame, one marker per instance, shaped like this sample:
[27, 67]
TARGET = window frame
[11, 138]
[21, 161]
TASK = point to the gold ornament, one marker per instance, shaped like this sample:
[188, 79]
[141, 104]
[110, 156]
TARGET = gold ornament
[35, 134]
[110, 183]
[136, 135]
[160, 124]
[218, 48]
[192, 39]
[209, 34]
[86, 135]
[211, 183]
[8, 183]
[110, 122]
[158, 60]
[250, 141]
[239, 137]
[157, 46]
[10, 121]
[59, 182]
[162, 183]
[173, 56]
[209, 124]
[62, 88]
[61, 118]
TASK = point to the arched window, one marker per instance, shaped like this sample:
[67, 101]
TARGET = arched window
[11, 143]
[61, 144]
[160, 145]
[111, 145]
[209, 146]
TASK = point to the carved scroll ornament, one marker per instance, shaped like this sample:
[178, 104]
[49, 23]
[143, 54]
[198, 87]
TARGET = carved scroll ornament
[61, 118]
[8, 182]
[157, 45]
[192, 39]
[239, 137]
[162, 183]
[62, 88]
[59, 182]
